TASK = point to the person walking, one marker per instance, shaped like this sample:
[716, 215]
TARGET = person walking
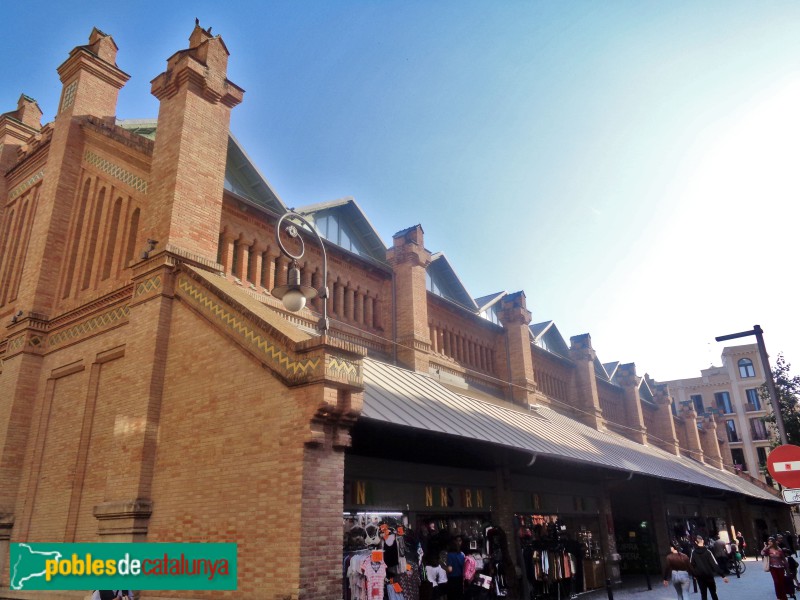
[455, 572]
[678, 571]
[789, 538]
[777, 566]
[720, 551]
[705, 568]
[741, 543]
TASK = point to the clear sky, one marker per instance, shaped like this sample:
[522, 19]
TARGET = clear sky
[632, 166]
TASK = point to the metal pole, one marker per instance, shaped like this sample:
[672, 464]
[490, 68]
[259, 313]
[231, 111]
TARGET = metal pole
[773, 394]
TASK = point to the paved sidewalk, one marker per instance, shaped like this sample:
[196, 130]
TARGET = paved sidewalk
[754, 584]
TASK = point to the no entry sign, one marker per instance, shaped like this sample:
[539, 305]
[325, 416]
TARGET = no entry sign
[783, 464]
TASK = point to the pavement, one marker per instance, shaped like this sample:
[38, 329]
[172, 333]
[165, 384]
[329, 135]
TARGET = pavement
[754, 584]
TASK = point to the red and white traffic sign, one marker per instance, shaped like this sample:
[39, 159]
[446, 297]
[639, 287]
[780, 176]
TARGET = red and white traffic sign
[783, 463]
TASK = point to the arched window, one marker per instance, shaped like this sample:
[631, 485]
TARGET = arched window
[746, 368]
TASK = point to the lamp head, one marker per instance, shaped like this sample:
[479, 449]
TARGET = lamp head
[294, 300]
[294, 294]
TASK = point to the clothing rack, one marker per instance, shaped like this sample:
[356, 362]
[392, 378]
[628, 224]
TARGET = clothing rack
[552, 569]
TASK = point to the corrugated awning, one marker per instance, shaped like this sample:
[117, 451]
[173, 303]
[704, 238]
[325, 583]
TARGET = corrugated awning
[402, 397]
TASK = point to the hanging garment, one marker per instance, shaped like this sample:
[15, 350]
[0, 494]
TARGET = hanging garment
[390, 553]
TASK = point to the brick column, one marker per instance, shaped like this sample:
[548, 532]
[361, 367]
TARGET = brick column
[257, 266]
[281, 270]
[227, 252]
[349, 296]
[369, 302]
[659, 530]
[583, 356]
[91, 82]
[240, 268]
[516, 320]
[409, 259]
[124, 514]
[710, 443]
[608, 539]
[359, 310]
[16, 128]
[629, 381]
[664, 423]
[338, 299]
[503, 512]
[188, 166]
[19, 390]
[692, 434]
[270, 270]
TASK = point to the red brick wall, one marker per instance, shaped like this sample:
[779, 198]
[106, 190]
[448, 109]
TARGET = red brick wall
[230, 459]
[108, 428]
[359, 294]
[468, 340]
[612, 401]
[554, 377]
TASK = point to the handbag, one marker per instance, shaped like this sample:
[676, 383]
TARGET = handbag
[765, 562]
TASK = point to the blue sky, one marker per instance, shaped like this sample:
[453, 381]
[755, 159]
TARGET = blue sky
[632, 166]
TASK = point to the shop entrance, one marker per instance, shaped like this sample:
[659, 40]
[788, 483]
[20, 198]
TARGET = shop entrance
[634, 530]
[637, 547]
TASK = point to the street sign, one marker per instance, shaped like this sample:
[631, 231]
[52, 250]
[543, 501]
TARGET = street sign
[783, 463]
[791, 496]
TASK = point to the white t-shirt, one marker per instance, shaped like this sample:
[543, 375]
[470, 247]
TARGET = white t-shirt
[436, 575]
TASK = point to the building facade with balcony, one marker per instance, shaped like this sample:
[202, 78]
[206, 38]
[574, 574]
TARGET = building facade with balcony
[731, 393]
[153, 389]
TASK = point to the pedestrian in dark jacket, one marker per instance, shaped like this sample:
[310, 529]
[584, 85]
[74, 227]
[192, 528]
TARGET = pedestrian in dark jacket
[705, 568]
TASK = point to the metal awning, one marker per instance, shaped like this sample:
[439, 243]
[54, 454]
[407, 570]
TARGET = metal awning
[416, 400]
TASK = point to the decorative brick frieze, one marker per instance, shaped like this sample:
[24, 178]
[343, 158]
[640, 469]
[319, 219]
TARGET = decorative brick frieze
[148, 286]
[102, 322]
[117, 172]
[26, 185]
[244, 331]
[338, 368]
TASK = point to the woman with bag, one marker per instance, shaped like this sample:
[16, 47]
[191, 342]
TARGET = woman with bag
[775, 562]
[678, 571]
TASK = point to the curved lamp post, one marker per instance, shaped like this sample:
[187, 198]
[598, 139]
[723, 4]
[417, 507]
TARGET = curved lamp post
[294, 294]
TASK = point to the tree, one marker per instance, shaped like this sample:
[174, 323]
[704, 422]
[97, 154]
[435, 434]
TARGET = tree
[787, 388]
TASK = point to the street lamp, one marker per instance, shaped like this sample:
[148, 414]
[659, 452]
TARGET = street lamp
[294, 294]
[762, 352]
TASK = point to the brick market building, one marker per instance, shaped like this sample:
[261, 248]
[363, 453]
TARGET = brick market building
[153, 389]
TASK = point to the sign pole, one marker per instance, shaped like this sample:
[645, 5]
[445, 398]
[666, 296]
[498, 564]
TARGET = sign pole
[773, 394]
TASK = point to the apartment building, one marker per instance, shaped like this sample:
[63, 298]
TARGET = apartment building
[731, 393]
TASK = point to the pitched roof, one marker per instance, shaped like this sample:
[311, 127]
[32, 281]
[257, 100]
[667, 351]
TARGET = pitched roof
[485, 302]
[611, 368]
[418, 401]
[546, 335]
[242, 177]
[442, 273]
[350, 212]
